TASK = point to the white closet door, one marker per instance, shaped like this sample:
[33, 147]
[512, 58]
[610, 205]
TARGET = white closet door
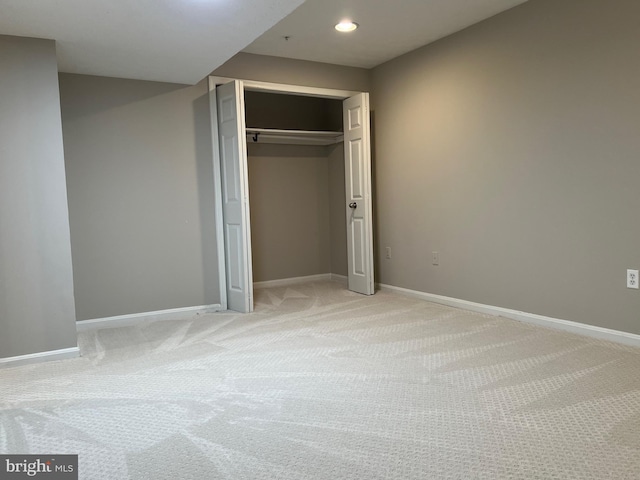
[235, 196]
[357, 151]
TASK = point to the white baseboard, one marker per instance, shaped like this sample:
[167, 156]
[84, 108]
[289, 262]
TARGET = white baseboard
[556, 323]
[62, 354]
[339, 278]
[285, 282]
[137, 318]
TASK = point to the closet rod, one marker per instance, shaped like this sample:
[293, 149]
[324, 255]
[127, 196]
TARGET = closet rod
[293, 137]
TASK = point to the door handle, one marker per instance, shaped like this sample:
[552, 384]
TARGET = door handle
[353, 205]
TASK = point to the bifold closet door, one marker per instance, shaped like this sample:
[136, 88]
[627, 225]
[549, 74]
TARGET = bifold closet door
[357, 151]
[235, 196]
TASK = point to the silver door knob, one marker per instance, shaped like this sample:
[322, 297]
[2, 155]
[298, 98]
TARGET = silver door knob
[353, 205]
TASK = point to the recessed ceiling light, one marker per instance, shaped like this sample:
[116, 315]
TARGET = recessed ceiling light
[346, 26]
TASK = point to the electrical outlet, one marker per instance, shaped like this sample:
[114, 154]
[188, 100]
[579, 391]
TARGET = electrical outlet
[388, 253]
[632, 279]
[435, 258]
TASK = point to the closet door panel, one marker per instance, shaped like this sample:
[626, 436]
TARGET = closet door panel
[357, 180]
[235, 194]
[231, 173]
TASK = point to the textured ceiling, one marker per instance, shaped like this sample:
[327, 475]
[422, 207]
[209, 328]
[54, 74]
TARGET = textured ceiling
[387, 28]
[165, 40]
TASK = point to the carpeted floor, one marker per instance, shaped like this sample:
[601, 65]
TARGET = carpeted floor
[321, 383]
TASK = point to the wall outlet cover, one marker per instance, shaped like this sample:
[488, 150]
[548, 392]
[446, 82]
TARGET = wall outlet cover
[632, 279]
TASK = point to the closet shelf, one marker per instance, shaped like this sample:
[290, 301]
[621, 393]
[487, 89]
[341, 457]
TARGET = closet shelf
[293, 137]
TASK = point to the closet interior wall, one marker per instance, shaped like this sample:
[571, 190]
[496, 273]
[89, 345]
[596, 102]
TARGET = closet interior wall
[296, 192]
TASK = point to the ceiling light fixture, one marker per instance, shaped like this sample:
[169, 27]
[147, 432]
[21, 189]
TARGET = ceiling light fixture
[346, 26]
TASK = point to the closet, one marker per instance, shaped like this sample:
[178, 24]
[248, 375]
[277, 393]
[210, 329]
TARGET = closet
[293, 165]
[295, 158]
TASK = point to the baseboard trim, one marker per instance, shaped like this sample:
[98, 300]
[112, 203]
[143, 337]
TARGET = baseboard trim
[600, 333]
[137, 318]
[285, 282]
[61, 354]
[339, 278]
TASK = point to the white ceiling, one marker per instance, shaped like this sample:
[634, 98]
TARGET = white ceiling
[388, 28]
[182, 41]
[178, 41]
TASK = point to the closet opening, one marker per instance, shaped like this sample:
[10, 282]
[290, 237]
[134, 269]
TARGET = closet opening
[295, 158]
[301, 157]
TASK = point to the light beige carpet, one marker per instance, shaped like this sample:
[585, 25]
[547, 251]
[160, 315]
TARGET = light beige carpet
[321, 383]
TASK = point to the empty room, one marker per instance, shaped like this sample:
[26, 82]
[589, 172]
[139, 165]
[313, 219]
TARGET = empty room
[321, 239]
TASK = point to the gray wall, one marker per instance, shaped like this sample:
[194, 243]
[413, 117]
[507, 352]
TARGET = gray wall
[292, 112]
[141, 201]
[337, 210]
[298, 221]
[263, 68]
[36, 285]
[289, 199]
[512, 148]
[139, 174]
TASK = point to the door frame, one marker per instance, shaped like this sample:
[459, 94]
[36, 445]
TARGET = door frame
[256, 86]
